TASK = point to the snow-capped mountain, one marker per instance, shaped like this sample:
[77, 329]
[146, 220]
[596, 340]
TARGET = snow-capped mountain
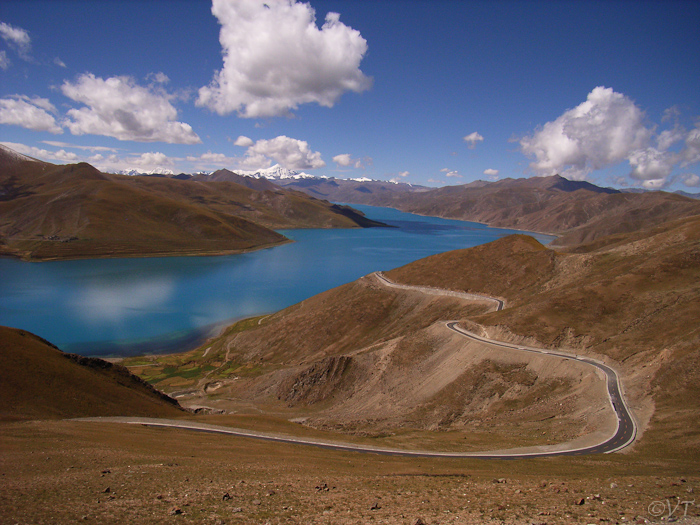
[157, 171]
[277, 172]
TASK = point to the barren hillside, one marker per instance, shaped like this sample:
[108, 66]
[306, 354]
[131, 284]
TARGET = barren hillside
[72, 211]
[38, 381]
[368, 359]
[577, 211]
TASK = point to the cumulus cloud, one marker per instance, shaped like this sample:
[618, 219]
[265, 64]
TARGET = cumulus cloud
[401, 175]
[602, 131]
[31, 113]
[152, 159]
[346, 160]
[118, 107]
[17, 38]
[450, 173]
[43, 154]
[691, 153]
[276, 57]
[290, 153]
[652, 167]
[109, 163]
[605, 130]
[473, 139]
[491, 173]
[209, 159]
[159, 78]
[243, 141]
[692, 180]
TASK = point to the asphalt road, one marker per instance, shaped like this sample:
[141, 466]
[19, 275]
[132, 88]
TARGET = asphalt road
[624, 435]
[626, 428]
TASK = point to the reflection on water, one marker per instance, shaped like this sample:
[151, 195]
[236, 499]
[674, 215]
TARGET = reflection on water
[115, 302]
[128, 306]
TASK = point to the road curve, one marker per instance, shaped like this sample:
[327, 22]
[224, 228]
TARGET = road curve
[623, 436]
[626, 430]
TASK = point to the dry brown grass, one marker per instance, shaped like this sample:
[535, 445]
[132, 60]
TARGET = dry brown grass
[38, 381]
[59, 472]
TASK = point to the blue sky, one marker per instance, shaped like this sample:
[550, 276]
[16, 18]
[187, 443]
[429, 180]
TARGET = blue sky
[427, 92]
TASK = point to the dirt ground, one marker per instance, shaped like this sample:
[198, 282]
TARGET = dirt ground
[69, 471]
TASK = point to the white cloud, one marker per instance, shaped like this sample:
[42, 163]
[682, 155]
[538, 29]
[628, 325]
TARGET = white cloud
[654, 184]
[602, 131]
[691, 180]
[276, 57]
[243, 141]
[346, 160]
[650, 166]
[450, 173]
[59, 62]
[491, 173]
[109, 164]
[118, 107]
[209, 159]
[691, 152]
[152, 160]
[40, 153]
[290, 153]
[159, 78]
[472, 139]
[17, 38]
[75, 146]
[31, 113]
[607, 129]
[4, 61]
[401, 175]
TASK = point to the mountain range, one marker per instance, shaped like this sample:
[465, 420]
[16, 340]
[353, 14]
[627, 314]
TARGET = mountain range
[74, 211]
[576, 211]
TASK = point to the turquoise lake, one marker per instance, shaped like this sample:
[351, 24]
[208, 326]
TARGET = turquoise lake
[119, 307]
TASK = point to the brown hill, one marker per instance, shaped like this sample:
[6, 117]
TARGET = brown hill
[365, 358]
[71, 211]
[38, 381]
[577, 211]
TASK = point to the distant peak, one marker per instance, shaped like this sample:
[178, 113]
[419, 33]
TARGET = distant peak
[276, 172]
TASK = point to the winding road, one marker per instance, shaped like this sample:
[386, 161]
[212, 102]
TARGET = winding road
[625, 432]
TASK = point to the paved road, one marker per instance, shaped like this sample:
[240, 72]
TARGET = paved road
[624, 435]
[626, 430]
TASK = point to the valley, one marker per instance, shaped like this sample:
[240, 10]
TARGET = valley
[406, 410]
